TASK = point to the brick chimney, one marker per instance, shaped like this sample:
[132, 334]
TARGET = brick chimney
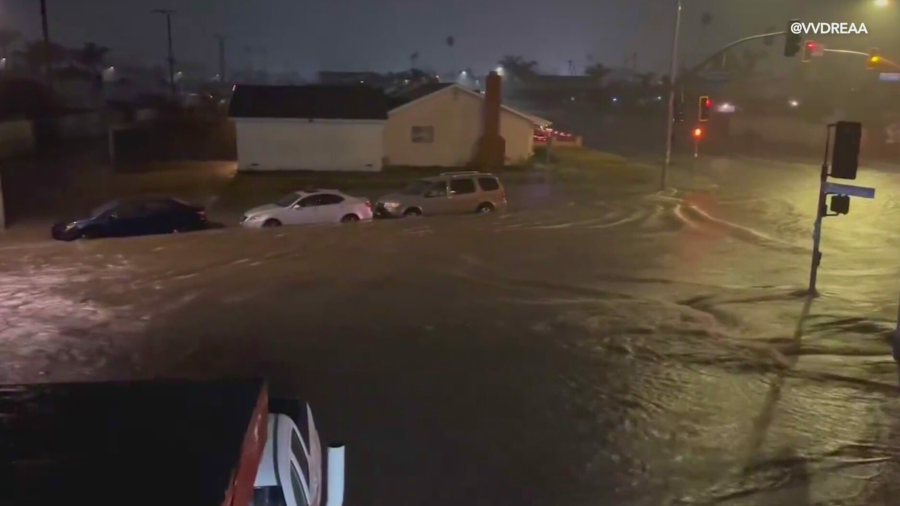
[491, 146]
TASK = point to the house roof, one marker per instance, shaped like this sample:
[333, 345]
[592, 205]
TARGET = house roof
[313, 102]
[430, 90]
[414, 92]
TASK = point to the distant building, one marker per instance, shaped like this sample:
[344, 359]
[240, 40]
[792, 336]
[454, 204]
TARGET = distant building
[440, 124]
[315, 127]
[360, 128]
[350, 78]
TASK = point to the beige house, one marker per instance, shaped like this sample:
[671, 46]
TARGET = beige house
[440, 124]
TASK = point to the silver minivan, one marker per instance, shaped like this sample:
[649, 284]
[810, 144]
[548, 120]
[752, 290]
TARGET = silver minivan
[448, 193]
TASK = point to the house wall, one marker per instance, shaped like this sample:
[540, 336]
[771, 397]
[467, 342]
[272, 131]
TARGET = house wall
[272, 144]
[457, 118]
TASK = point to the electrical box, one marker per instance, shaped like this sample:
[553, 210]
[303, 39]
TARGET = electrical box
[845, 158]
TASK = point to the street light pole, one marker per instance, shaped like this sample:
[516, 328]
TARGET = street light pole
[221, 58]
[46, 31]
[671, 116]
[168, 13]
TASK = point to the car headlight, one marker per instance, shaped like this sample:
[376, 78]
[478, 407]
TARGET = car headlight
[70, 226]
[390, 205]
[257, 217]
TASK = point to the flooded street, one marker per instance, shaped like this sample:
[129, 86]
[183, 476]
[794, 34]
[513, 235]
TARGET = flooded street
[586, 348]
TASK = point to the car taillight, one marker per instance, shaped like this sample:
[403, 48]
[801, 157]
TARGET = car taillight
[368, 204]
[202, 213]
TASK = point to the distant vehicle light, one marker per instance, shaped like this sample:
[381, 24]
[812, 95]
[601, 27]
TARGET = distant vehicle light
[794, 103]
[615, 99]
[726, 107]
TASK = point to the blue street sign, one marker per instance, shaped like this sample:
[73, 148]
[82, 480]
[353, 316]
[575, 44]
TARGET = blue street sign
[848, 189]
[889, 77]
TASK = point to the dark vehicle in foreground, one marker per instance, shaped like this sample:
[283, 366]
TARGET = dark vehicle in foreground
[209, 443]
[136, 216]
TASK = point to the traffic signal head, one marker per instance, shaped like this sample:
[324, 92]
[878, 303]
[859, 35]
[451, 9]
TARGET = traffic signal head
[845, 157]
[792, 40]
[703, 109]
[874, 59]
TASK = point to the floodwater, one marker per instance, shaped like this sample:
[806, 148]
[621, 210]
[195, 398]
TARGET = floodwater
[583, 349]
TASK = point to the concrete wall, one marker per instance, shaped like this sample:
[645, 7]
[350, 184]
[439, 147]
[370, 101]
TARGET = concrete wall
[16, 138]
[457, 118]
[293, 144]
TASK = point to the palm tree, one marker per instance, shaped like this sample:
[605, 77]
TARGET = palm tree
[646, 80]
[7, 38]
[598, 71]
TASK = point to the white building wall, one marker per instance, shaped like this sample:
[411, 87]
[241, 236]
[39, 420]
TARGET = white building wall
[298, 144]
[458, 121]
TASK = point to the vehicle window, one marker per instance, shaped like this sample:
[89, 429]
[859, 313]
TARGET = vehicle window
[311, 201]
[462, 186]
[423, 134]
[268, 496]
[417, 188]
[299, 493]
[128, 210]
[287, 200]
[438, 189]
[330, 199]
[105, 208]
[488, 184]
[159, 207]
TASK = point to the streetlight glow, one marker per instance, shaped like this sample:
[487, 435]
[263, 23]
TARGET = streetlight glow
[882, 3]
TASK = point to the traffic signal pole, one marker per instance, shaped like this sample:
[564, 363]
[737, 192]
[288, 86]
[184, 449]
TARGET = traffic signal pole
[820, 213]
[671, 116]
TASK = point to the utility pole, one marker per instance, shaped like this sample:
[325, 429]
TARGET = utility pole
[46, 30]
[168, 14]
[221, 58]
[671, 116]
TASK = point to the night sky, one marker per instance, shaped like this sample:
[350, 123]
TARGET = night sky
[306, 36]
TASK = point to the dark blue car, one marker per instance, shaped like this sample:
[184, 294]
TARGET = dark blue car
[138, 216]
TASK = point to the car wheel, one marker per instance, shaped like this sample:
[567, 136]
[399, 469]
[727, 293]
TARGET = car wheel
[271, 222]
[412, 212]
[350, 218]
[484, 208]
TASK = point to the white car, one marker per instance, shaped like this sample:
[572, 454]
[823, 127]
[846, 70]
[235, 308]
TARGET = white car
[308, 207]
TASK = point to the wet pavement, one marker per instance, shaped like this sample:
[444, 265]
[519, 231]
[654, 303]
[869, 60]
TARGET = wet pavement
[586, 348]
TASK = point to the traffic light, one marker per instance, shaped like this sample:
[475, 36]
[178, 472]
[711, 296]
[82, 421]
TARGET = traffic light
[792, 40]
[703, 109]
[679, 110]
[698, 133]
[808, 49]
[845, 157]
[874, 59]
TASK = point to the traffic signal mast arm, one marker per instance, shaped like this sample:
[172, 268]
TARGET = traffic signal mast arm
[712, 57]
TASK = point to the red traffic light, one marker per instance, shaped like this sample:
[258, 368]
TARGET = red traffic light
[698, 132]
[708, 103]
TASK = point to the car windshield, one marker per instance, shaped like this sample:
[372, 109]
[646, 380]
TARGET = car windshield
[105, 208]
[286, 200]
[417, 188]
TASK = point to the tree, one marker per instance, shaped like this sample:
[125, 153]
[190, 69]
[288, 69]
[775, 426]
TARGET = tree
[91, 56]
[517, 66]
[598, 71]
[413, 58]
[36, 54]
[7, 38]
[646, 79]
